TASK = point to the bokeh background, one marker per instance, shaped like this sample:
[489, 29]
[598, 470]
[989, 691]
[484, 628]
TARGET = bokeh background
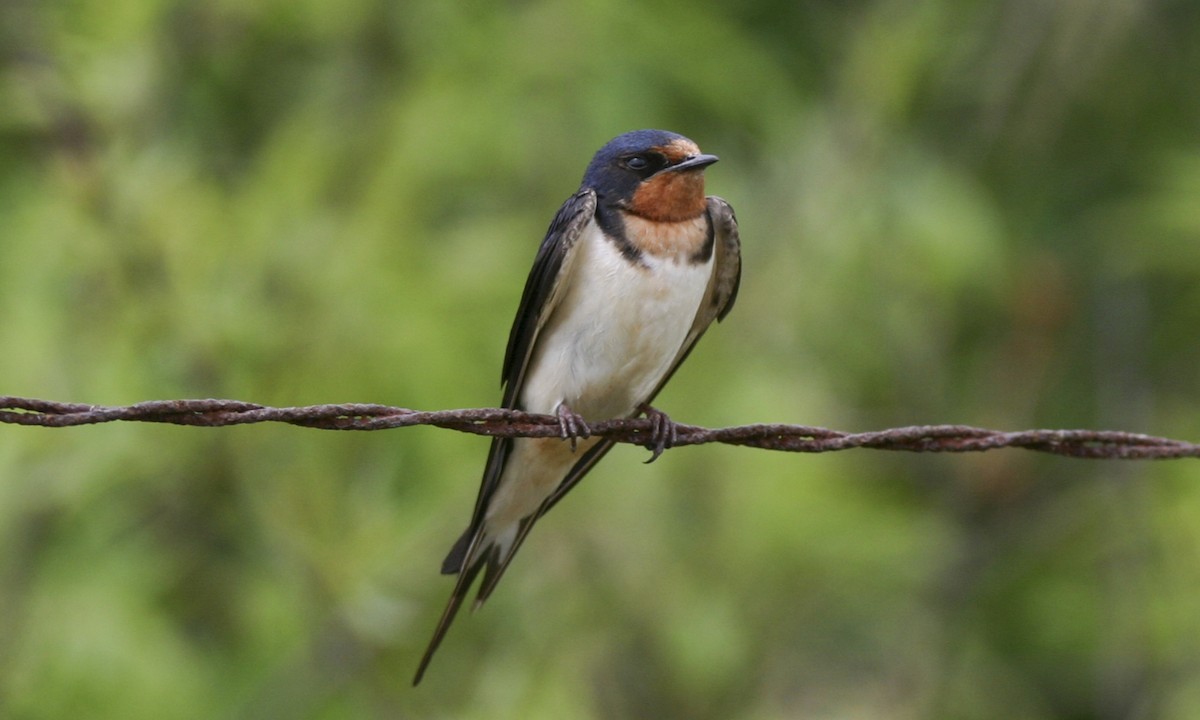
[951, 212]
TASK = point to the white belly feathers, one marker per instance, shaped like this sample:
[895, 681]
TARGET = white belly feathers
[608, 344]
[616, 332]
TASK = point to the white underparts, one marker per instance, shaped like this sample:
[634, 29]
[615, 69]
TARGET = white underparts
[611, 339]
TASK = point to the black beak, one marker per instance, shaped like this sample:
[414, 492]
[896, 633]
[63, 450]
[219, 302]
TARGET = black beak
[695, 162]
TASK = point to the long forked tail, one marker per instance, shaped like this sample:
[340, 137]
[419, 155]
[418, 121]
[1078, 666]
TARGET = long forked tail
[462, 586]
[474, 551]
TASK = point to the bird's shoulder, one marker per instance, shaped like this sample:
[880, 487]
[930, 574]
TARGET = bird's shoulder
[727, 248]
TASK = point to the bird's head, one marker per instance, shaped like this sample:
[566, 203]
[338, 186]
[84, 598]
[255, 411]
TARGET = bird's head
[655, 174]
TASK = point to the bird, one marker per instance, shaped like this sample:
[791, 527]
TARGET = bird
[633, 269]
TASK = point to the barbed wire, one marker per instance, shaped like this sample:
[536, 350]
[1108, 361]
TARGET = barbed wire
[495, 422]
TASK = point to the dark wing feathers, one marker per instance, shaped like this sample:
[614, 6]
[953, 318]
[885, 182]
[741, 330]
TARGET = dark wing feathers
[541, 289]
[466, 557]
[537, 301]
[728, 275]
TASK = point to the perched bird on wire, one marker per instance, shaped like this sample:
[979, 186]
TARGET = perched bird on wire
[634, 268]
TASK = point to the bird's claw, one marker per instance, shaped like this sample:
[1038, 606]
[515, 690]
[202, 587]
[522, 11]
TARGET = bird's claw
[663, 432]
[571, 425]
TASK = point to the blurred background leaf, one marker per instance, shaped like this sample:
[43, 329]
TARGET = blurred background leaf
[951, 212]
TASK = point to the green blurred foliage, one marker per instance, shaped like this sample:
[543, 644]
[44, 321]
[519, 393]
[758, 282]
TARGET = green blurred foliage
[951, 212]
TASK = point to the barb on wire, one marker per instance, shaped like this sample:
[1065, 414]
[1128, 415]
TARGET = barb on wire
[512, 423]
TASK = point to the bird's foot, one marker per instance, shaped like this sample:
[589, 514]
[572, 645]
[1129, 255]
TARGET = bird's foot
[571, 425]
[663, 432]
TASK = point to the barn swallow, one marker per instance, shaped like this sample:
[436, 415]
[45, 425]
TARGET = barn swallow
[633, 269]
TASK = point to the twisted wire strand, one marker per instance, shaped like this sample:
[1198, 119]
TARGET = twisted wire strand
[496, 422]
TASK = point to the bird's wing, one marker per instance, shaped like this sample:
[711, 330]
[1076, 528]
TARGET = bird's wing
[718, 300]
[543, 291]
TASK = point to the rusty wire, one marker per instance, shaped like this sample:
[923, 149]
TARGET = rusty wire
[1101, 444]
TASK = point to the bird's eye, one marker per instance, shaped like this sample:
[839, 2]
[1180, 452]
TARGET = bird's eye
[637, 162]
